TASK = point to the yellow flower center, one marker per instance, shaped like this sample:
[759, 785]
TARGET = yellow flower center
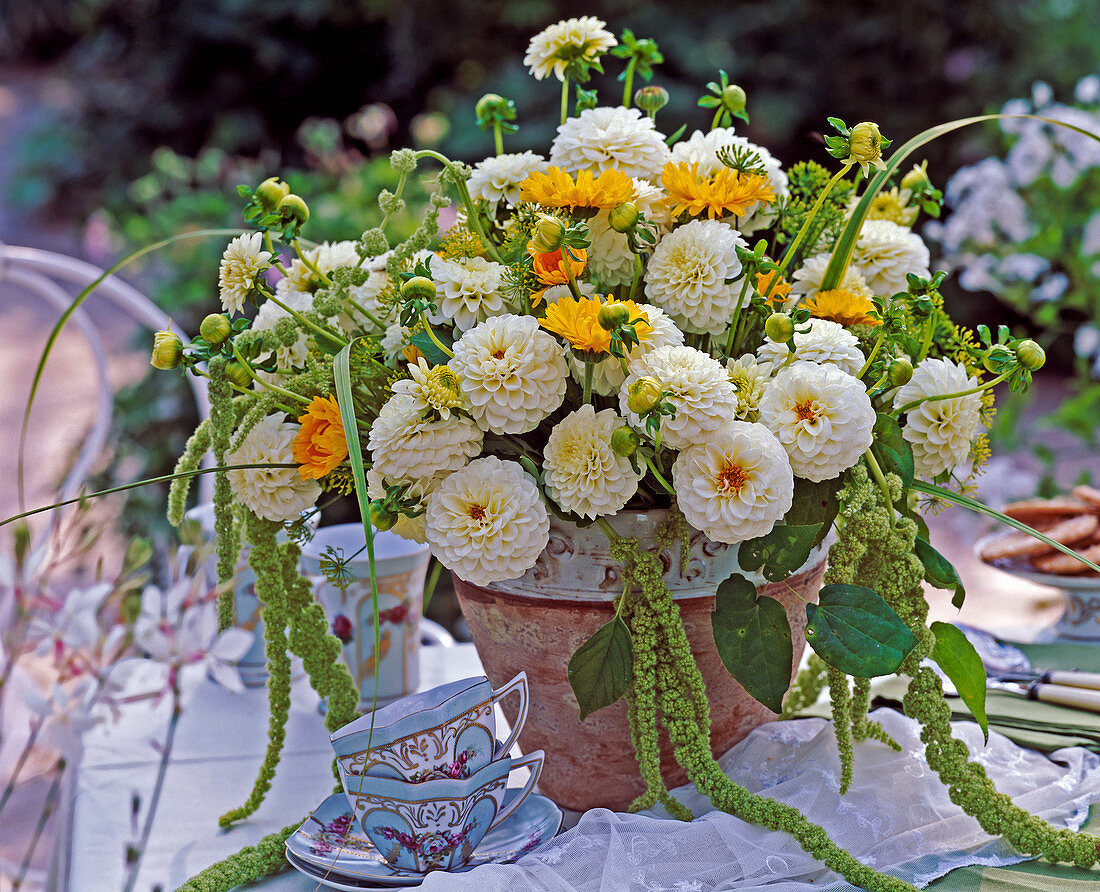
[805, 410]
[731, 478]
[477, 512]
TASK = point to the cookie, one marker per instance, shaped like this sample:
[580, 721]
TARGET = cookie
[1089, 495]
[1031, 510]
[1021, 545]
[1064, 565]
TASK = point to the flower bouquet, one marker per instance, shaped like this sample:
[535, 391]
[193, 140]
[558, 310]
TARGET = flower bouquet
[634, 320]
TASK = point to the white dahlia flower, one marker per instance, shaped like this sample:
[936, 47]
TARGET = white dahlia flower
[434, 389]
[405, 444]
[271, 493]
[821, 415]
[735, 483]
[513, 373]
[696, 385]
[553, 48]
[608, 374]
[497, 178]
[885, 252]
[686, 276]
[469, 290]
[748, 378]
[582, 473]
[487, 522]
[368, 297]
[610, 136]
[417, 491]
[806, 281]
[940, 431]
[394, 341]
[826, 342]
[244, 259]
[556, 292]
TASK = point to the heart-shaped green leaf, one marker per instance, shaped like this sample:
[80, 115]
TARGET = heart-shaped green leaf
[855, 630]
[891, 449]
[780, 552]
[960, 662]
[753, 639]
[600, 670]
[814, 503]
[939, 571]
[424, 343]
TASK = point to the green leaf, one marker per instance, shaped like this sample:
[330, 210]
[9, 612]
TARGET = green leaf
[780, 552]
[424, 343]
[939, 571]
[814, 503]
[891, 449]
[600, 670]
[855, 630]
[753, 638]
[960, 662]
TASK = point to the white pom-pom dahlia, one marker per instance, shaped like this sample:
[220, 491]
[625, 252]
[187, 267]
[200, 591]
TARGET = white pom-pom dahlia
[487, 522]
[826, 342]
[271, 493]
[497, 178]
[610, 137]
[735, 484]
[885, 252]
[608, 374]
[748, 378]
[244, 259]
[551, 50]
[582, 473]
[469, 290]
[686, 276]
[940, 431]
[696, 385]
[405, 444]
[513, 373]
[806, 281]
[609, 255]
[822, 417]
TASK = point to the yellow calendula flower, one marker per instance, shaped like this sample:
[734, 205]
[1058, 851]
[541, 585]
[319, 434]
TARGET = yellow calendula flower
[554, 267]
[578, 322]
[842, 306]
[773, 287]
[320, 444]
[557, 189]
[892, 206]
[726, 192]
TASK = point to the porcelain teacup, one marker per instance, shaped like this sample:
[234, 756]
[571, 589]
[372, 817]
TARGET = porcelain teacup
[437, 824]
[448, 731]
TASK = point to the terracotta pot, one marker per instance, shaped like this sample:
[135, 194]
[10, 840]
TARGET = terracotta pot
[536, 622]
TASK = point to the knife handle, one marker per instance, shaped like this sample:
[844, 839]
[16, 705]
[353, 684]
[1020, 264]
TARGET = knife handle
[1072, 679]
[1077, 698]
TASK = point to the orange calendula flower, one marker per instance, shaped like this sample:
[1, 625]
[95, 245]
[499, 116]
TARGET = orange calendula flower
[726, 192]
[772, 286]
[551, 268]
[320, 445]
[578, 322]
[557, 189]
[843, 306]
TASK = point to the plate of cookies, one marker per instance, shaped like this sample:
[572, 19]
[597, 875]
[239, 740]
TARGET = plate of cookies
[1072, 520]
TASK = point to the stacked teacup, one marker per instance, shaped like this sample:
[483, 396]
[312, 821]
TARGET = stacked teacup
[425, 775]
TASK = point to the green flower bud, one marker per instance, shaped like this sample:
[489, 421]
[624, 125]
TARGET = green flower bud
[651, 99]
[547, 235]
[900, 372]
[611, 316]
[624, 217]
[643, 395]
[624, 440]
[865, 143]
[167, 350]
[488, 104]
[130, 608]
[293, 207]
[380, 517]
[237, 373]
[734, 98]
[215, 329]
[917, 178]
[418, 288]
[1030, 355]
[779, 327]
[270, 192]
[996, 356]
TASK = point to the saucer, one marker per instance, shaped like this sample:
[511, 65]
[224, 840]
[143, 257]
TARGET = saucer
[329, 844]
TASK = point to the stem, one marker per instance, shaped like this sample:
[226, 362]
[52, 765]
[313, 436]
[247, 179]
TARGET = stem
[431, 334]
[926, 341]
[950, 396]
[275, 388]
[564, 99]
[874, 353]
[43, 819]
[332, 336]
[361, 309]
[717, 119]
[660, 478]
[158, 787]
[880, 479]
[629, 85]
[607, 529]
[589, 368]
[498, 138]
[275, 261]
[429, 586]
[20, 762]
[788, 255]
[309, 264]
[637, 275]
[737, 315]
[472, 216]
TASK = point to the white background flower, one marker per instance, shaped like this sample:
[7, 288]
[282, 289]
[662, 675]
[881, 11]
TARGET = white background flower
[806, 280]
[550, 50]
[826, 342]
[513, 373]
[734, 484]
[822, 417]
[403, 443]
[687, 274]
[885, 253]
[487, 522]
[272, 493]
[610, 137]
[497, 178]
[582, 473]
[940, 431]
[244, 259]
[469, 290]
[608, 374]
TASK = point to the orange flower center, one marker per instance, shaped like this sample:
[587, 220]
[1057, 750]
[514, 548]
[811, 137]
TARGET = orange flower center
[497, 354]
[477, 512]
[805, 411]
[732, 478]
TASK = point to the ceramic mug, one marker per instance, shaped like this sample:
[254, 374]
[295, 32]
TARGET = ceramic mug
[435, 825]
[400, 567]
[449, 730]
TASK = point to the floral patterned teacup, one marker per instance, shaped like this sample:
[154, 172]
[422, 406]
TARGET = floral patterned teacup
[437, 824]
[447, 732]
